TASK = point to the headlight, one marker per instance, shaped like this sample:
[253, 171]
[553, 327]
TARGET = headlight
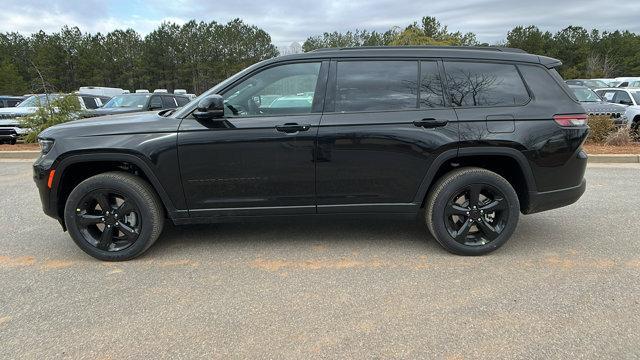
[45, 145]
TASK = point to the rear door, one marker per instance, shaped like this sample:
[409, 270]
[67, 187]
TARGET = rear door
[384, 123]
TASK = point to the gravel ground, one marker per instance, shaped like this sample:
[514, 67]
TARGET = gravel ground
[567, 285]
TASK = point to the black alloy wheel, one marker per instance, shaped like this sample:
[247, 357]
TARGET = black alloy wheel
[472, 211]
[114, 216]
[476, 215]
[108, 221]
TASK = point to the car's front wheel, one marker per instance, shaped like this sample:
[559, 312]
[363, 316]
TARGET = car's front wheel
[472, 211]
[114, 216]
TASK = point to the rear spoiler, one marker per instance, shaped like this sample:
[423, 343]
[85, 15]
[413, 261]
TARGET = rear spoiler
[549, 62]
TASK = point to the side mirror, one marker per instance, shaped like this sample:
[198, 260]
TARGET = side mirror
[211, 107]
[625, 102]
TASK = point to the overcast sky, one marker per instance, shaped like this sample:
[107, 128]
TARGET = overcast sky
[294, 20]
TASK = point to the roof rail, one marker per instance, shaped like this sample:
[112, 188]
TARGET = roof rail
[428, 47]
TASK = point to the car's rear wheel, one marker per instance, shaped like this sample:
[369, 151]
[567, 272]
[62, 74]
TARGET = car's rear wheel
[114, 216]
[472, 211]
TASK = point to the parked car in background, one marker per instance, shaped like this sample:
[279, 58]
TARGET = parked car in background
[7, 101]
[595, 106]
[609, 81]
[624, 81]
[101, 91]
[629, 84]
[129, 103]
[10, 127]
[625, 96]
[593, 84]
[383, 135]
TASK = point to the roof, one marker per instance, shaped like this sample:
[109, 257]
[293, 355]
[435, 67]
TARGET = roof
[452, 52]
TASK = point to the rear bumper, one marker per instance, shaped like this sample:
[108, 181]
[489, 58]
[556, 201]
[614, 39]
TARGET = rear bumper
[542, 201]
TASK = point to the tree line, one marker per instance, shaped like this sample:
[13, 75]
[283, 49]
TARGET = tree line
[194, 56]
[584, 53]
[198, 55]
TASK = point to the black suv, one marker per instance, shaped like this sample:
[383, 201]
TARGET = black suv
[464, 138]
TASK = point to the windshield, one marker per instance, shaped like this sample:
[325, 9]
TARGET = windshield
[586, 95]
[135, 101]
[37, 100]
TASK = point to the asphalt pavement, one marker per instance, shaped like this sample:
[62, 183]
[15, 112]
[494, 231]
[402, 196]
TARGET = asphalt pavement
[567, 285]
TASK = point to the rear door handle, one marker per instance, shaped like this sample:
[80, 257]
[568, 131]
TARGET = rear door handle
[430, 123]
[290, 128]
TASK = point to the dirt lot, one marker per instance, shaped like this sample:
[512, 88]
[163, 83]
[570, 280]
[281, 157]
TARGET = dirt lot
[566, 286]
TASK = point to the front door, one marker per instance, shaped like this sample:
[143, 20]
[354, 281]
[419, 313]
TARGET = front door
[259, 159]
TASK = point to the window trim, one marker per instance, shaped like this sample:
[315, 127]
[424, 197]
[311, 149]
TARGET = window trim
[476, 61]
[443, 82]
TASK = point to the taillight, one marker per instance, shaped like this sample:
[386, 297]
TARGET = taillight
[571, 120]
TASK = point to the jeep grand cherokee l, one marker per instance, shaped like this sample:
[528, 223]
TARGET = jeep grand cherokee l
[465, 139]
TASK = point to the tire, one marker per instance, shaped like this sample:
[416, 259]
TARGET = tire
[449, 211]
[133, 225]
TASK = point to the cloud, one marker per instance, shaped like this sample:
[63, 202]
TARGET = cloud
[294, 20]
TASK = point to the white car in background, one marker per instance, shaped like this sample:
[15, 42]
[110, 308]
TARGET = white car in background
[10, 126]
[625, 96]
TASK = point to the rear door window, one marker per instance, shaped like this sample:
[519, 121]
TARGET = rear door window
[485, 84]
[182, 101]
[622, 97]
[376, 85]
[90, 102]
[169, 102]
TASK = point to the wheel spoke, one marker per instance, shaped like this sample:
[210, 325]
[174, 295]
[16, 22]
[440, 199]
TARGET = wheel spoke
[103, 201]
[488, 230]
[474, 195]
[106, 238]
[86, 219]
[128, 231]
[461, 234]
[455, 209]
[124, 208]
[495, 205]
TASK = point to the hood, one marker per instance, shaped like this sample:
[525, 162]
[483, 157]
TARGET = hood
[111, 111]
[14, 112]
[140, 122]
[604, 108]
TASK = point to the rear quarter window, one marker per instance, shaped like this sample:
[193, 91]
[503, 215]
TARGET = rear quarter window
[546, 85]
[485, 84]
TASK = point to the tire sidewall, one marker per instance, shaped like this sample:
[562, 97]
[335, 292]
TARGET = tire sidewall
[455, 186]
[103, 183]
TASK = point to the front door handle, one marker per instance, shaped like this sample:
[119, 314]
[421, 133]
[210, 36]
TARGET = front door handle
[430, 123]
[290, 128]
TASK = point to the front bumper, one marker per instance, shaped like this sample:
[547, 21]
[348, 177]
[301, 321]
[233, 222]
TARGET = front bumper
[41, 172]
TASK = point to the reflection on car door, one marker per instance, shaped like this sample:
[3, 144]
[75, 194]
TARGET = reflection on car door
[383, 126]
[258, 159]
